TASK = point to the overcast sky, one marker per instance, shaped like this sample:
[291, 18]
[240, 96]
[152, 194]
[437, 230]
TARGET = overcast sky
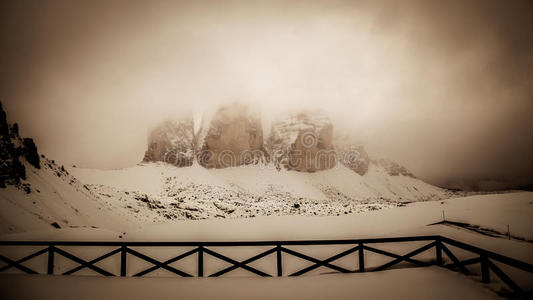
[443, 87]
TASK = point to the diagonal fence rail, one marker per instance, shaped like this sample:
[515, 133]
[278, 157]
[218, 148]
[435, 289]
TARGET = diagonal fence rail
[441, 245]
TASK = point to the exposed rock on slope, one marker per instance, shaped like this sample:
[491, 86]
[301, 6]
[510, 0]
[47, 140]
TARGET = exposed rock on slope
[29, 150]
[13, 147]
[393, 168]
[351, 155]
[199, 193]
[172, 142]
[50, 196]
[234, 137]
[303, 142]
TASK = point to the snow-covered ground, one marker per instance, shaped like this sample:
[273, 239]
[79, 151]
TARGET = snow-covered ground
[150, 178]
[197, 193]
[420, 283]
[413, 219]
[158, 202]
[52, 195]
[161, 193]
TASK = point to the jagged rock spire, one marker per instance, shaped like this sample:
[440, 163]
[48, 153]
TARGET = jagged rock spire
[12, 148]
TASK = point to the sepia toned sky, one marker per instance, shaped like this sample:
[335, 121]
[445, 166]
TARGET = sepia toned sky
[443, 87]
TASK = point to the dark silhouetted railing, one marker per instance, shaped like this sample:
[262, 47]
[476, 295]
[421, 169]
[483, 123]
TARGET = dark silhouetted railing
[441, 244]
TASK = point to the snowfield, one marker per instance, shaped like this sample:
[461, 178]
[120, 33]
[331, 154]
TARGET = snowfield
[161, 193]
[150, 178]
[241, 192]
[420, 283]
[158, 202]
[412, 219]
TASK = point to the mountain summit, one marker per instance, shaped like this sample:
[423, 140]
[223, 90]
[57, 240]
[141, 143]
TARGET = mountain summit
[304, 142]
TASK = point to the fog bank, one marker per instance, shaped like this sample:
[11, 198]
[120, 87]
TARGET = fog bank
[442, 88]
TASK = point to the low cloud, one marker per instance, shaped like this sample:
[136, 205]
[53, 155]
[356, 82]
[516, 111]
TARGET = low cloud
[441, 87]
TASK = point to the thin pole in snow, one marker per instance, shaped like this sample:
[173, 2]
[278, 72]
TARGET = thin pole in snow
[508, 232]
[443, 217]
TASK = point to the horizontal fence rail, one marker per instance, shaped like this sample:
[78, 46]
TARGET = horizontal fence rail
[438, 244]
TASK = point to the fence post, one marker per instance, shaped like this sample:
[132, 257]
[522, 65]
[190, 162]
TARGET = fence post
[278, 255]
[123, 251]
[50, 259]
[438, 252]
[361, 258]
[200, 261]
[485, 272]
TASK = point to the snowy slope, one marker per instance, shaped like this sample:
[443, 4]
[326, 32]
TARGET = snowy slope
[150, 193]
[431, 283]
[161, 192]
[51, 195]
[150, 178]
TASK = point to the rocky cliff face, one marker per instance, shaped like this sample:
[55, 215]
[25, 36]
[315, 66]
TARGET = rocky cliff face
[303, 142]
[172, 142]
[234, 137]
[12, 149]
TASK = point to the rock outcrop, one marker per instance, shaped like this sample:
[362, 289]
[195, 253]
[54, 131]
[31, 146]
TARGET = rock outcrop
[393, 168]
[172, 142]
[12, 148]
[29, 150]
[233, 137]
[354, 158]
[351, 154]
[303, 142]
